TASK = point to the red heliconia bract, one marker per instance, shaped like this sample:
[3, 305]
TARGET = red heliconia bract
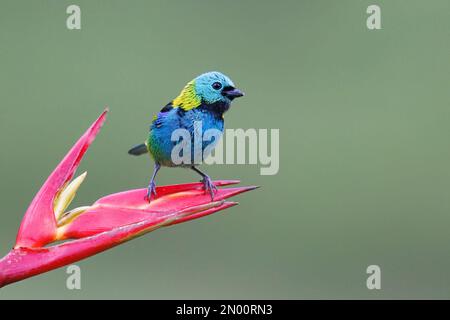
[108, 222]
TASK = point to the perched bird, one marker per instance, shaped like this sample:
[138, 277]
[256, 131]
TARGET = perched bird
[204, 99]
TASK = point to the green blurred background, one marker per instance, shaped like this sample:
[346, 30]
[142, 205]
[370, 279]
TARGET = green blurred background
[364, 150]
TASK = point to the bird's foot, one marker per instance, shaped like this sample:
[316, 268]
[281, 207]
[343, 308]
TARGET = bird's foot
[151, 191]
[208, 184]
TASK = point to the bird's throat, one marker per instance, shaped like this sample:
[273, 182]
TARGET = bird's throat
[216, 108]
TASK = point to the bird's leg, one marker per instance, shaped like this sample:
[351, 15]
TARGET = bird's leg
[151, 190]
[207, 182]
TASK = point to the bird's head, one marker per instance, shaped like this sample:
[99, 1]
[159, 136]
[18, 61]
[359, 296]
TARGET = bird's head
[209, 88]
[214, 87]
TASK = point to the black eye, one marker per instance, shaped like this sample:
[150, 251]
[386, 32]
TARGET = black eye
[217, 86]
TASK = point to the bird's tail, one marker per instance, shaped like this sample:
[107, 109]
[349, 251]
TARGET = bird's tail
[138, 150]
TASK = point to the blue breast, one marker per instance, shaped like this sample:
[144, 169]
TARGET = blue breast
[160, 144]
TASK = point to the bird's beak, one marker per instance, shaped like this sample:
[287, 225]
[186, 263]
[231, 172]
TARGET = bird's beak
[232, 93]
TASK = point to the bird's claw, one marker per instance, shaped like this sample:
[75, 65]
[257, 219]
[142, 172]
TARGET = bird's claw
[151, 191]
[208, 184]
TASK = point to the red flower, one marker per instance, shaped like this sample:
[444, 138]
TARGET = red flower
[108, 222]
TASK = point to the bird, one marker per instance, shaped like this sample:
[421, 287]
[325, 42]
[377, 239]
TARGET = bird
[204, 99]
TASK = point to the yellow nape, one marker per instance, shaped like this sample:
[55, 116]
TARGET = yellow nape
[188, 98]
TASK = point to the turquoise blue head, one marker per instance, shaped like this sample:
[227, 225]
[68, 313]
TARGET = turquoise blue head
[215, 87]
